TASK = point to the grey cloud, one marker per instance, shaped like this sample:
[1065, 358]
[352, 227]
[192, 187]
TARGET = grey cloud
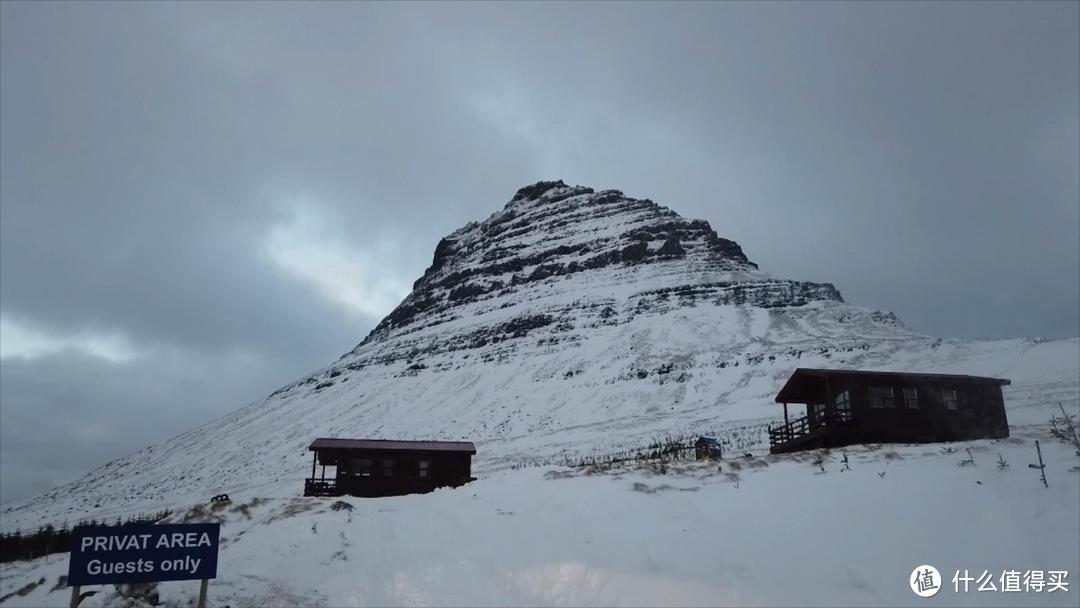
[923, 157]
[63, 414]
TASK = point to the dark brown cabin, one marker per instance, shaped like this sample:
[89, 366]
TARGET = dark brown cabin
[383, 467]
[708, 448]
[848, 406]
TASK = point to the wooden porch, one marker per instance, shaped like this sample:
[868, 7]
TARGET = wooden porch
[826, 429]
[315, 486]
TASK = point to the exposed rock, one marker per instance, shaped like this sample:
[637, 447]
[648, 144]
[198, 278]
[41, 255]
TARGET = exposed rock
[567, 320]
[551, 230]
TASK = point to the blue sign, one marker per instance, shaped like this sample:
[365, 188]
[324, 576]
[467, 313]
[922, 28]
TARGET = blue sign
[142, 553]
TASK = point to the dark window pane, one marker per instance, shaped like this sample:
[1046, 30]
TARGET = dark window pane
[881, 396]
[843, 401]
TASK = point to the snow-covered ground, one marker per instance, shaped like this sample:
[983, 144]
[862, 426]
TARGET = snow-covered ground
[781, 533]
[770, 530]
[573, 324]
[600, 358]
[527, 409]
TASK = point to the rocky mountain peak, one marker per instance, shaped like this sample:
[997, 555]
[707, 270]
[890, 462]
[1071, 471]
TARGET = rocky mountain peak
[567, 320]
[552, 238]
[540, 189]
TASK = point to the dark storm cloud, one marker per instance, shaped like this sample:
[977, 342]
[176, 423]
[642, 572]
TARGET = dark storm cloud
[237, 192]
[71, 411]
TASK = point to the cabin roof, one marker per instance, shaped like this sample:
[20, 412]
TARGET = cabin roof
[333, 443]
[802, 383]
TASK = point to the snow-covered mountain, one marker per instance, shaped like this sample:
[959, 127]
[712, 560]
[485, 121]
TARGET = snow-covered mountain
[568, 322]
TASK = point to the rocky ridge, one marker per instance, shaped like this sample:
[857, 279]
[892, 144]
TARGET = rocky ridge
[550, 231]
[570, 320]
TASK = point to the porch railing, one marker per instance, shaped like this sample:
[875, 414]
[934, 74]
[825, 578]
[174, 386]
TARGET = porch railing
[802, 426]
[320, 487]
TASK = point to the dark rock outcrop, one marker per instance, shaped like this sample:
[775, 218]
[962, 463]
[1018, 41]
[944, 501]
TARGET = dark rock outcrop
[552, 236]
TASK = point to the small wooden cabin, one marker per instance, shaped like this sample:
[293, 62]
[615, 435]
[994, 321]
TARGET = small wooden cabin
[849, 406]
[708, 448]
[383, 467]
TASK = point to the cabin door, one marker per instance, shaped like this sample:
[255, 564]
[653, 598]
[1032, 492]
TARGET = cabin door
[817, 415]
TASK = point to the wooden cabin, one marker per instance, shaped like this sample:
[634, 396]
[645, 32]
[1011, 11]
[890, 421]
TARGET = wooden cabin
[848, 406]
[383, 467]
[708, 448]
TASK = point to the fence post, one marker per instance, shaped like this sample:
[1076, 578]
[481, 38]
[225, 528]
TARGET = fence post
[1042, 467]
[202, 593]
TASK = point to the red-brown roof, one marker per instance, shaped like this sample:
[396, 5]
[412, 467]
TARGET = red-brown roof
[332, 443]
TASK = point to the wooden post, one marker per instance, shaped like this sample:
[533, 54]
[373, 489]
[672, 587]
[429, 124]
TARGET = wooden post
[74, 597]
[324, 472]
[202, 593]
[314, 459]
[830, 405]
[787, 425]
[1042, 467]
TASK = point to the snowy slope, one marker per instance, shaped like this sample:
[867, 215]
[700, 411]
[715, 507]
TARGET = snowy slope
[567, 322]
[771, 530]
[571, 323]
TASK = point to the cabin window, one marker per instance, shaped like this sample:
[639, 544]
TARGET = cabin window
[881, 396]
[362, 467]
[951, 401]
[425, 466]
[388, 467]
[911, 398]
[843, 402]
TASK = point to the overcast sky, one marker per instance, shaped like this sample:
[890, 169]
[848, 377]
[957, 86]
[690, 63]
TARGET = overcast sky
[200, 202]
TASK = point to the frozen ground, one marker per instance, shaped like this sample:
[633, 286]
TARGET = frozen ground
[571, 324]
[770, 530]
[557, 363]
[764, 531]
[527, 408]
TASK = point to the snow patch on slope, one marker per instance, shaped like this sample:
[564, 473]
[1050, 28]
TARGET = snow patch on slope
[771, 530]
